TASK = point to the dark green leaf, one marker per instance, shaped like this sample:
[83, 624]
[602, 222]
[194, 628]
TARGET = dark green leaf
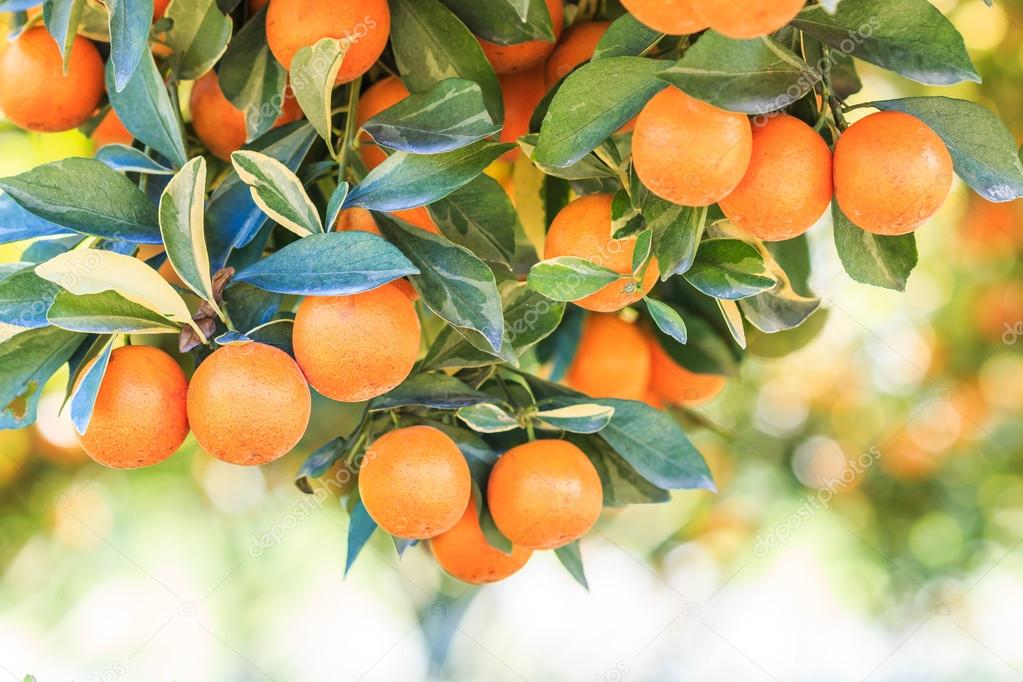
[16, 223]
[568, 278]
[24, 296]
[667, 319]
[61, 18]
[572, 559]
[145, 109]
[129, 36]
[278, 192]
[439, 391]
[86, 196]
[127, 159]
[730, 269]
[622, 484]
[751, 76]
[874, 259]
[27, 360]
[106, 313]
[319, 462]
[480, 217]
[910, 37]
[198, 36]
[313, 73]
[626, 37]
[677, 234]
[360, 527]
[251, 78]
[499, 21]
[83, 399]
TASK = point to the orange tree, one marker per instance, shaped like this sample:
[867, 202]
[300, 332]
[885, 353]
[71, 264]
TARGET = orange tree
[296, 190]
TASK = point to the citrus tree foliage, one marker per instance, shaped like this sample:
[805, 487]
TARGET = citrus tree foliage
[250, 234]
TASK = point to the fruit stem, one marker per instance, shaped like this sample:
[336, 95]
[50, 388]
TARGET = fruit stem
[346, 140]
[530, 432]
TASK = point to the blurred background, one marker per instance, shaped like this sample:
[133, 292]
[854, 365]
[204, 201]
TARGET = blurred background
[868, 524]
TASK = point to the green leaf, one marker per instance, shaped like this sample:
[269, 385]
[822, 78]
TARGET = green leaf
[750, 76]
[145, 109]
[910, 37]
[313, 84]
[626, 37]
[581, 417]
[453, 283]
[667, 319]
[706, 351]
[592, 103]
[982, 148]
[331, 264]
[480, 217]
[24, 296]
[319, 462]
[436, 390]
[278, 192]
[277, 333]
[107, 313]
[61, 18]
[336, 202]
[27, 360]
[568, 278]
[873, 259]
[83, 398]
[487, 418]
[250, 77]
[586, 168]
[730, 269]
[641, 254]
[431, 44]
[409, 180]
[780, 310]
[677, 234]
[198, 36]
[127, 159]
[622, 485]
[183, 225]
[499, 21]
[129, 36]
[732, 316]
[86, 196]
[449, 116]
[360, 527]
[572, 559]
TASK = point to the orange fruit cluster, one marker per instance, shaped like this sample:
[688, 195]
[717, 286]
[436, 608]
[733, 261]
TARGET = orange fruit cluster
[738, 19]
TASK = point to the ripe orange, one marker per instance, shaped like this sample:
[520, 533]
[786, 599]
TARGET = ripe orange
[892, 173]
[747, 18]
[383, 94]
[111, 131]
[464, 553]
[353, 348]
[544, 494]
[363, 26]
[675, 17]
[220, 125]
[689, 152]
[674, 384]
[583, 229]
[991, 228]
[34, 92]
[139, 418]
[159, 7]
[361, 219]
[248, 403]
[612, 360]
[525, 56]
[788, 184]
[521, 92]
[576, 47]
[414, 482]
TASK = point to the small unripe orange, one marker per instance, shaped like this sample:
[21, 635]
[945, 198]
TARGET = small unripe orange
[414, 482]
[788, 184]
[582, 229]
[34, 92]
[892, 173]
[689, 152]
[353, 348]
[139, 417]
[248, 403]
[544, 494]
[463, 551]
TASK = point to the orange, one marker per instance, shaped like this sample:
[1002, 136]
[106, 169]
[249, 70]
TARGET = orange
[993, 228]
[583, 230]
[544, 494]
[747, 18]
[256, 5]
[362, 219]
[166, 270]
[612, 360]
[353, 348]
[418, 216]
[674, 384]
[521, 92]
[220, 125]
[525, 56]
[34, 92]
[111, 131]
[248, 403]
[788, 184]
[464, 553]
[139, 418]
[675, 17]
[689, 152]
[362, 26]
[414, 482]
[159, 7]
[383, 94]
[892, 173]
[576, 47]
